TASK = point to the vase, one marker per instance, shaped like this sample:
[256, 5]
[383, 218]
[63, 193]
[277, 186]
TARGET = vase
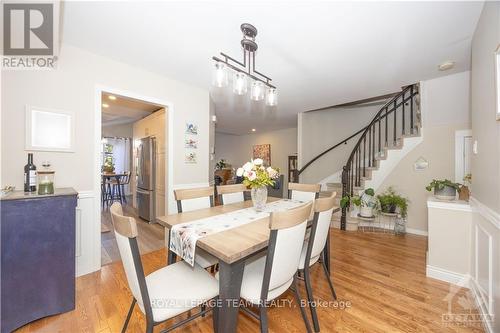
[259, 197]
[446, 193]
[366, 211]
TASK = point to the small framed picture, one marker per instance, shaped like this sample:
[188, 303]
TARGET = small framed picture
[190, 158]
[191, 129]
[190, 143]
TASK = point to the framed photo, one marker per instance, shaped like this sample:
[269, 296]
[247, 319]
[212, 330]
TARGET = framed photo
[190, 158]
[263, 152]
[191, 129]
[497, 82]
[49, 130]
[190, 143]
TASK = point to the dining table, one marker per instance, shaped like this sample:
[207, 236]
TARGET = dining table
[232, 248]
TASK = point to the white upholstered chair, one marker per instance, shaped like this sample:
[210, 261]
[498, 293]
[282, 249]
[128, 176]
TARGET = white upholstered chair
[303, 192]
[229, 194]
[189, 200]
[314, 247]
[167, 292]
[267, 277]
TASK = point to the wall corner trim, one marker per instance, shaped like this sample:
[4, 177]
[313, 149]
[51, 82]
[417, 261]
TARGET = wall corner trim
[486, 212]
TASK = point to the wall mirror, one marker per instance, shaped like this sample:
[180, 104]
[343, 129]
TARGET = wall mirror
[49, 130]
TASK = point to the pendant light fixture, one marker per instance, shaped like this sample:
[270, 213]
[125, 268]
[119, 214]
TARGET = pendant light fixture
[245, 71]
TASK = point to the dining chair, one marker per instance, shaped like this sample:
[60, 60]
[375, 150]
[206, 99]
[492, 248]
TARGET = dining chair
[167, 292]
[124, 180]
[229, 194]
[314, 247]
[303, 192]
[267, 277]
[193, 199]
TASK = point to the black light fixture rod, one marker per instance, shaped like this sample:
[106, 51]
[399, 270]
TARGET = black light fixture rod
[241, 71]
[255, 71]
[234, 60]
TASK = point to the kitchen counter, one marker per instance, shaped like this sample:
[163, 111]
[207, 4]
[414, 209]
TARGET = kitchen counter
[16, 195]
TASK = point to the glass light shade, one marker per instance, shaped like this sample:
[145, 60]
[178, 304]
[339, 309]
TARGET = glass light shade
[272, 97]
[220, 75]
[257, 93]
[240, 83]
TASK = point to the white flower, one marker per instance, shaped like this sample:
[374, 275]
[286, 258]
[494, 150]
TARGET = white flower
[245, 173]
[271, 172]
[262, 167]
[258, 161]
[239, 172]
[251, 176]
[248, 166]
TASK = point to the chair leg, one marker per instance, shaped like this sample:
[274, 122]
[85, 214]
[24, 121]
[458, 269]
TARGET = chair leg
[128, 316]
[264, 325]
[149, 326]
[329, 280]
[203, 308]
[298, 299]
[310, 298]
[215, 315]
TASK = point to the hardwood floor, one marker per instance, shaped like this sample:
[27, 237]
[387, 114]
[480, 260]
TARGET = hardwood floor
[381, 277]
[151, 236]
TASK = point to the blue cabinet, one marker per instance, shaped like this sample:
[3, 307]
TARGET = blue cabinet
[37, 256]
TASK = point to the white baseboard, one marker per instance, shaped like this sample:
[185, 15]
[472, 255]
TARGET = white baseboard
[445, 275]
[481, 305]
[88, 258]
[417, 232]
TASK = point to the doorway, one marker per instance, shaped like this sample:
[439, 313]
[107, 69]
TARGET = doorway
[126, 122]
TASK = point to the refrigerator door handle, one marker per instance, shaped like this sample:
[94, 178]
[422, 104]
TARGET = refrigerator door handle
[143, 191]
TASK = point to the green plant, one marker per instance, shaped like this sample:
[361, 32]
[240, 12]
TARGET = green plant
[440, 184]
[468, 178]
[344, 202]
[389, 200]
[221, 164]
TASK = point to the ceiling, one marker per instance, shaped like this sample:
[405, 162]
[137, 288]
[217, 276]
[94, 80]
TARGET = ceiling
[318, 53]
[124, 110]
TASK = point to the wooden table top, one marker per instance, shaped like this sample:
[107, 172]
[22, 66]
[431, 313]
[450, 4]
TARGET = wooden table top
[230, 245]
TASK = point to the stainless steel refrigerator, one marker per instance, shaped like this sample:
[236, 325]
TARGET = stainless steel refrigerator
[146, 179]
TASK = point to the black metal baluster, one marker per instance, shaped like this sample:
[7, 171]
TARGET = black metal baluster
[373, 145]
[379, 137]
[411, 110]
[369, 147]
[364, 153]
[386, 131]
[395, 124]
[403, 115]
[364, 175]
[356, 158]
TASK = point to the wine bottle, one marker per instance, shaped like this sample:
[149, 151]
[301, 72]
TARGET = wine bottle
[30, 175]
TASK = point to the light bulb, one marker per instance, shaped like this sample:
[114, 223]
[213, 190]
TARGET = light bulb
[220, 75]
[272, 97]
[257, 91]
[240, 83]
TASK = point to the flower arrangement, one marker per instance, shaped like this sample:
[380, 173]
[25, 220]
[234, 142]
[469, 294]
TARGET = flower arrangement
[255, 174]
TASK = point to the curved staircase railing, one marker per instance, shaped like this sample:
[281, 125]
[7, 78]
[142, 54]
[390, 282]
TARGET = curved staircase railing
[397, 119]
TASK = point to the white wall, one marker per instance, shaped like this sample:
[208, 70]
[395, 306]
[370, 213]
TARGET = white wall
[237, 149]
[119, 131]
[486, 163]
[74, 86]
[319, 130]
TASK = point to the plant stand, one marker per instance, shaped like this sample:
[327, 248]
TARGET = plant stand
[371, 223]
[390, 218]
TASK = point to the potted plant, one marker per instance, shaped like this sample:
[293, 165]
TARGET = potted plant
[108, 166]
[366, 202]
[390, 202]
[464, 192]
[221, 164]
[443, 189]
[258, 177]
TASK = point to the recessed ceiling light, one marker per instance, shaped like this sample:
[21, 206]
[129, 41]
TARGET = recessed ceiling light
[111, 97]
[446, 65]
[104, 105]
[253, 129]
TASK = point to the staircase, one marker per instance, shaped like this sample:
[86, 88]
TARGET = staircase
[392, 133]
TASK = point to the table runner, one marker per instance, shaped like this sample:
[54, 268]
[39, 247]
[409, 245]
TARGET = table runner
[183, 237]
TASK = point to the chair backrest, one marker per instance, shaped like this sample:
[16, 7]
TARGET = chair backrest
[126, 238]
[229, 194]
[125, 179]
[288, 229]
[194, 198]
[323, 210]
[303, 192]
